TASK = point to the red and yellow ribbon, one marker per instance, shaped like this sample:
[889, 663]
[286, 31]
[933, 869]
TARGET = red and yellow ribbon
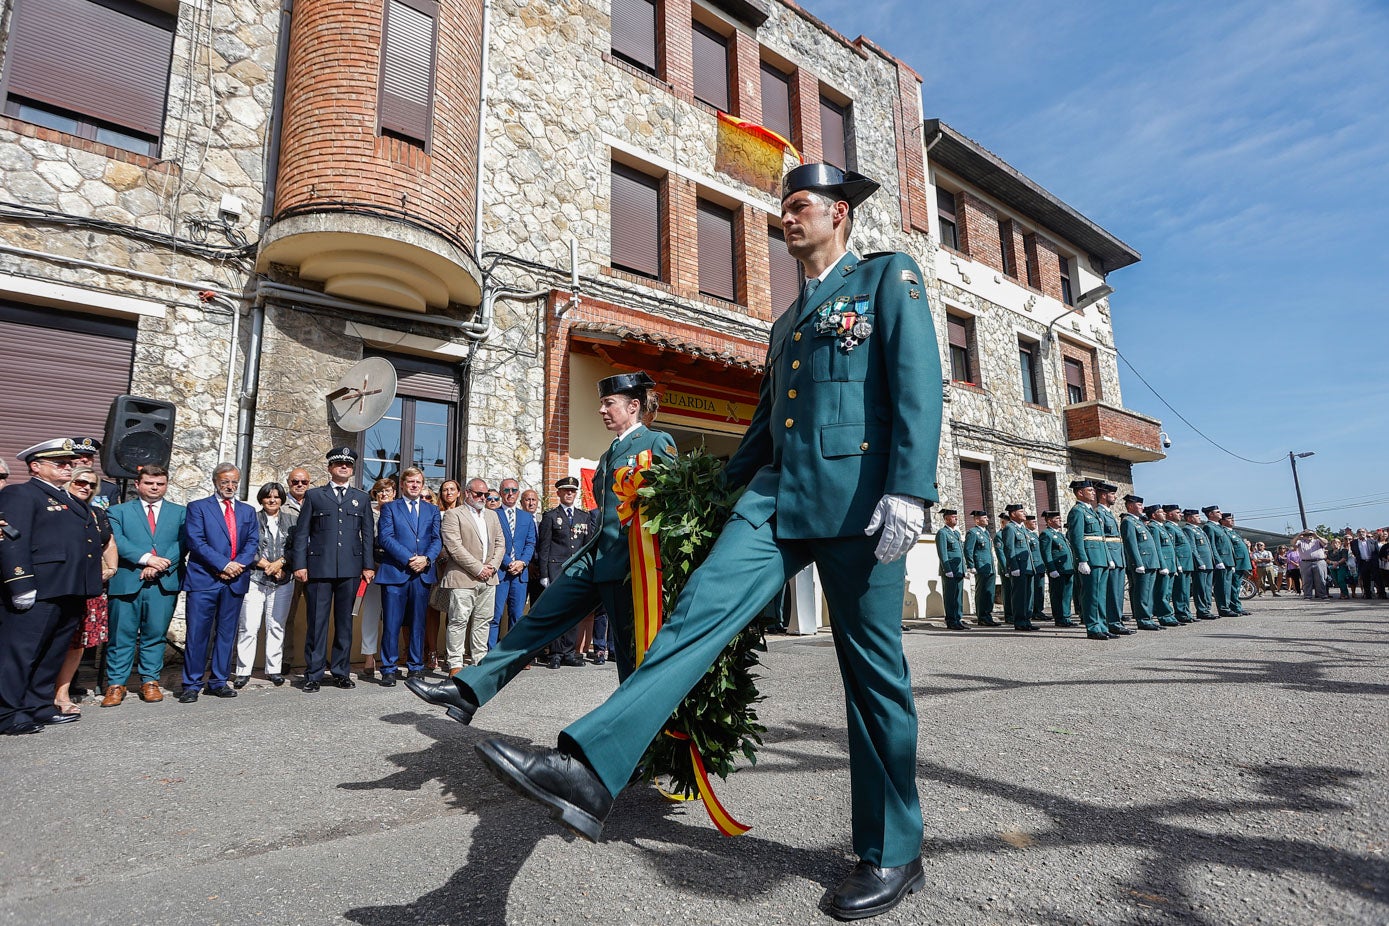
[645, 557]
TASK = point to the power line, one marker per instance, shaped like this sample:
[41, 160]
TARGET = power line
[1289, 514]
[1329, 504]
[1188, 423]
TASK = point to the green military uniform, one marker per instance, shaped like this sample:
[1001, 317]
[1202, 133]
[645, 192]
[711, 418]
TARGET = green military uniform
[979, 557]
[1141, 557]
[1203, 578]
[849, 410]
[1003, 570]
[1039, 577]
[1186, 565]
[1085, 531]
[596, 575]
[1058, 559]
[1114, 591]
[1167, 561]
[1244, 564]
[951, 550]
[1023, 561]
[1224, 565]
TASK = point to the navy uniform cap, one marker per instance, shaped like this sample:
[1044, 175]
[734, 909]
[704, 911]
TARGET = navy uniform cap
[568, 482]
[625, 382]
[57, 448]
[848, 185]
[342, 455]
[1130, 499]
[978, 514]
[86, 446]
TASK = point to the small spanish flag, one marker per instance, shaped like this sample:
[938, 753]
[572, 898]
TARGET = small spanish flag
[752, 153]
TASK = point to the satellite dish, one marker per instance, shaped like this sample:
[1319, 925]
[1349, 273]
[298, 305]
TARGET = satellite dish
[363, 395]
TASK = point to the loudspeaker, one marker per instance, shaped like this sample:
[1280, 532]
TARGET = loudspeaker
[139, 432]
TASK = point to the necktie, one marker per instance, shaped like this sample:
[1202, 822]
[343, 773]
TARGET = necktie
[511, 520]
[153, 548]
[341, 492]
[231, 527]
[811, 285]
[415, 513]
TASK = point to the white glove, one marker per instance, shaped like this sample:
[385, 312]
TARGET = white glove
[544, 583]
[902, 518]
[1083, 569]
[969, 573]
[950, 575]
[1164, 572]
[1015, 573]
[25, 601]
[1219, 565]
[1054, 574]
[1139, 569]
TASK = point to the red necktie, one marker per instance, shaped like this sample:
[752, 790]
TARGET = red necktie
[153, 547]
[231, 527]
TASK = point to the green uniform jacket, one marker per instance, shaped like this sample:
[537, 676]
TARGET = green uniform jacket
[821, 458]
[1085, 531]
[1201, 552]
[999, 555]
[1140, 548]
[611, 561]
[1057, 555]
[951, 552]
[978, 551]
[1243, 562]
[1181, 546]
[1017, 548]
[1166, 545]
[1220, 544]
[1111, 535]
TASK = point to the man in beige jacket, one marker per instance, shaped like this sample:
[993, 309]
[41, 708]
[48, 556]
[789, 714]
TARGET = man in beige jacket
[472, 537]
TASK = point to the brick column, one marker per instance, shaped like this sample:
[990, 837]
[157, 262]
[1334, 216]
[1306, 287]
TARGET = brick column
[674, 54]
[754, 262]
[746, 77]
[680, 236]
[805, 115]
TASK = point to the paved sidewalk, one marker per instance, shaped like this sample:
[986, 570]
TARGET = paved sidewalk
[1228, 772]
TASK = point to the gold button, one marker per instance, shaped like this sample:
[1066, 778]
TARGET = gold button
[791, 394]
[795, 364]
[863, 446]
[790, 421]
[796, 336]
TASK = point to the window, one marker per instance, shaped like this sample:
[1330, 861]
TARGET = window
[710, 61]
[1075, 380]
[634, 33]
[974, 486]
[636, 222]
[407, 70]
[776, 101]
[786, 273]
[960, 333]
[1065, 263]
[834, 138]
[717, 276]
[1044, 491]
[1031, 373]
[945, 207]
[97, 69]
[418, 428]
[1005, 247]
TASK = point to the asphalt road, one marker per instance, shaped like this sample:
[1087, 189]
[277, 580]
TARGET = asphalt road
[1226, 773]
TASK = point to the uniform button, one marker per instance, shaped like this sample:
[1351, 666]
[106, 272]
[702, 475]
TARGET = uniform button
[790, 421]
[795, 364]
[863, 446]
[796, 336]
[791, 394]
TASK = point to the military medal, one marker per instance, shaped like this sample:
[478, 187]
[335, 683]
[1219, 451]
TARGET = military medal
[845, 320]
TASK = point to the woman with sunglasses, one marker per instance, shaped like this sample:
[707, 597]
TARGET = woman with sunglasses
[271, 590]
[93, 629]
[450, 494]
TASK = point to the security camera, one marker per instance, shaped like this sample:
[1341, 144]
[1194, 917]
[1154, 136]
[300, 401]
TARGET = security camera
[1166, 441]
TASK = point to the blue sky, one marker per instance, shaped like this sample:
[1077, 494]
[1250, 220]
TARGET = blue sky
[1243, 149]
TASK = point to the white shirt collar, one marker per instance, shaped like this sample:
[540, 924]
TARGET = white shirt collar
[630, 430]
[824, 274]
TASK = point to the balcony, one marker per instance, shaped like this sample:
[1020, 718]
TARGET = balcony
[1110, 431]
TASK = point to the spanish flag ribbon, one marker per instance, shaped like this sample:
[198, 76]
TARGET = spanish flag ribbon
[645, 557]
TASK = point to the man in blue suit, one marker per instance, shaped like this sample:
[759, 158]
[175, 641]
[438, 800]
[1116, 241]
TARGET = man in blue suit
[518, 536]
[409, 539]
[221, 536]
[149, 541]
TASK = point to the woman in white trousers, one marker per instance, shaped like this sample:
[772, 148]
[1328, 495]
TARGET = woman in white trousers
[271, 591]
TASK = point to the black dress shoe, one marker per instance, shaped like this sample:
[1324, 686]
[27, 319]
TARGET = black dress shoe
[574, 794]
[1149, 625]
[28, 726]
[554, 662]
[311, 685]
[240, 681]
[1119, 630]
[446, 694]
[345, 682]
[988, 622]
[406, 673]
[276, 680]
[599, 658]
[870, 890]
[1064, 622]
[188, 696]
[387, 679]
[367, 673]
[572, 661]
[53, 719]
[1098, 635]
[223, 692]
[1025, 626]
[956, 626]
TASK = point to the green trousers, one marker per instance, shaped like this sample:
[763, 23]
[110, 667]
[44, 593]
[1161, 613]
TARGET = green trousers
[1114, 597]
[1181, 595]
[1007, 598]
[1021, 595]
[1201, 585]
[954, 592]
[1162, 596]
[746, 567]
[1220, 583]
[1237, 577]
[984, 586]
[1141, 595]
[1093, 589]
[1061, 590]
[1039, 596]
[138, 623]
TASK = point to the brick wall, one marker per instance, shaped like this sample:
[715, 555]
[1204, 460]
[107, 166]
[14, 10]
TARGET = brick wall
[977, 224]
[674, 53]
[1044, 257]
[1095, 419]
[1086, 356]
[911, 155]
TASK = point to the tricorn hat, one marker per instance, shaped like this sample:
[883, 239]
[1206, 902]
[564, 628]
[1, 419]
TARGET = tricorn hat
[1079, 484]
[946, 511]
[1130, 499]
[1051, 514]
[978, 514]
[625, 382]
[848, 185]
[1013, 508]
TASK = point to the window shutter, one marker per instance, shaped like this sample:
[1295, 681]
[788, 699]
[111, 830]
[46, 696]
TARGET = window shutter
[636, 222]
[106, 62]
[634, 32]
[710, 52]
[407, 67]
[1075, 374]
[958, 332]
[776, 101]
[972, 486]
[716, 276]
[832, 136]
[1041, 491]
[786, 273]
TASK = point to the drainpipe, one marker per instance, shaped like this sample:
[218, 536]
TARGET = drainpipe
[250, 389]
[206, 296]
[481, 131]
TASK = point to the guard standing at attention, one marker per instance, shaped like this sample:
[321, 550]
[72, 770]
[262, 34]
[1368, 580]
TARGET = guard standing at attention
[1167, 561]
[1114, 594]
[1203, 556]
[951, 550]
[1223, 554]
[1019, 550]
[1244, 563]
[1085, 531]
[979, 557]
[1186, 565]
[1059, 560]
[1141, 556]
[1004, 571]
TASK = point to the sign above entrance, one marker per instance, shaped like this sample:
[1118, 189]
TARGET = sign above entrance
[705, 410]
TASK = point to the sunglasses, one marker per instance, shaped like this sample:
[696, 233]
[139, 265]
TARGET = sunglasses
[510, 491]
[83, 482]
[494, 498]
[477, 494]
[299, 482]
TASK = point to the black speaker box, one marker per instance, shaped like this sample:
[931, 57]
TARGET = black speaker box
[139, 432]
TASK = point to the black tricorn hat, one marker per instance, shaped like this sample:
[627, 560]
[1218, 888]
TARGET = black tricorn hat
[848, 185]
[978, 514]
[1013, 508]
[946, 511]
[625, 382]
[1051, 514]
[1078, 484]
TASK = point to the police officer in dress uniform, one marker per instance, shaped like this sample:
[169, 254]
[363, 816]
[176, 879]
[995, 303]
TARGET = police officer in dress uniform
[1019, 552]
[1223, 557]
[51, 562]
[839, 465]
[1141, 556]
[951, 550]
[1105, 493]
[1004, 573]
[1186, 565]
[1058, 559]
[1163, 612]
[564, 530]
[979, 559]
[333, 552]
[1203, 558]
[1085, 531]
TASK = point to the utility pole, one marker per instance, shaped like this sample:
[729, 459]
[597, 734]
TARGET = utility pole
[1297, 486]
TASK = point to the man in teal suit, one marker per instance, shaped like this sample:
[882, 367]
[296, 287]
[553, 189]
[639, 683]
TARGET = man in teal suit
[1163, 610]
[951, 550]
[1186, 565]
[1244, 563]
[1203, 557]
[149, 541]
[1085, 531]
[979, 557]
[1114, 593]
[1058, 559]
[1019, 550]
[1223, 554]
[1004, 573]
[1141, 555]
[839, 465]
